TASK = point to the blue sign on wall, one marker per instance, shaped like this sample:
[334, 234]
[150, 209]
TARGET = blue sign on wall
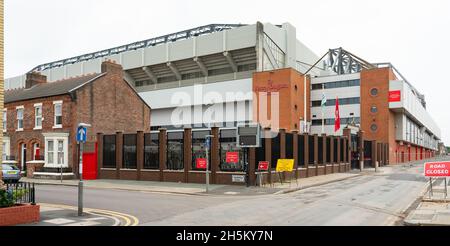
[81, 134]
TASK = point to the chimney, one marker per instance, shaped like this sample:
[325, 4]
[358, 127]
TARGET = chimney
[35, 78]
[111, 67]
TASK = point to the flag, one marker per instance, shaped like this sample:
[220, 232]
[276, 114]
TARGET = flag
[324, 100]
[337, 118]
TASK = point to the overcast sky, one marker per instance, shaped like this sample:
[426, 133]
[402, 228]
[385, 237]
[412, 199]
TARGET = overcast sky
[413, 35]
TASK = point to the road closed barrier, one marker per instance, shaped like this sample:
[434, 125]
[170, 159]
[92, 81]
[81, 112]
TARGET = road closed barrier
[437, 169]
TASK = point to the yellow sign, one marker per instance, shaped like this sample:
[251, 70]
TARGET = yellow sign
[285, 165]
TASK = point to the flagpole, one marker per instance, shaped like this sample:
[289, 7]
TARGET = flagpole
[323, 117]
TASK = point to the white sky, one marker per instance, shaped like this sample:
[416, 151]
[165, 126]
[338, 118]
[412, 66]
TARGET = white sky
[413, 35]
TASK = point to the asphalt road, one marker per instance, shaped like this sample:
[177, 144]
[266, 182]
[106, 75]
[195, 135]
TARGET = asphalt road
[375, 199]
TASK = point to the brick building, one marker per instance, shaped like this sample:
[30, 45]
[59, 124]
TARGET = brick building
[41, 119]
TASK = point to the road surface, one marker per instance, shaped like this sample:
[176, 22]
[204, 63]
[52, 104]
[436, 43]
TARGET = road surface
[372, 199]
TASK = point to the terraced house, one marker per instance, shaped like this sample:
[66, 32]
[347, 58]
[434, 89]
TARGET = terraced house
[41, 119]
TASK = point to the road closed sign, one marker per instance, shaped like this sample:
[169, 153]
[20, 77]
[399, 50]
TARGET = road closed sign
[437, 169]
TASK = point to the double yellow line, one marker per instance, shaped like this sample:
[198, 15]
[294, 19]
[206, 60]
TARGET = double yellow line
[129, 220]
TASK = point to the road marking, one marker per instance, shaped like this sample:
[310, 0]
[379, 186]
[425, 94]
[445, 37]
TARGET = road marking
[130, 220]
[83, 223]
[58, 221]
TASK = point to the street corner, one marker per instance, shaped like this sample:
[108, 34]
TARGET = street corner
[63, 215]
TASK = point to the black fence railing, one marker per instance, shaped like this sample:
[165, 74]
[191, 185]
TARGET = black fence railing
[21, 193]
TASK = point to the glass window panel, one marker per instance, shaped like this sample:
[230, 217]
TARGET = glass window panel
[109, 151]
[129, 151]
[151, 151]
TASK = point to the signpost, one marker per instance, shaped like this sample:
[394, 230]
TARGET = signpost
[437, 170]
[262, 167]
[248, 136]
[81, 139]
[285, 165]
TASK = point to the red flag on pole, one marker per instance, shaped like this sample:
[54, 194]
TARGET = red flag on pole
[337, 118]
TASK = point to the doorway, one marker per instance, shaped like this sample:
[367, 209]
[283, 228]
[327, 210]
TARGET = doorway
[23, 157]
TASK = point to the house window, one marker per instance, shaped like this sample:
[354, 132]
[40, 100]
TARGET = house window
[60, 152]
[5, 152]
[58, 114]
[50, 148]
[20, 118]
[37, 116]
[5, 113]
[56, 149]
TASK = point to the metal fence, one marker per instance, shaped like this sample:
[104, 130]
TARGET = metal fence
[22, 193]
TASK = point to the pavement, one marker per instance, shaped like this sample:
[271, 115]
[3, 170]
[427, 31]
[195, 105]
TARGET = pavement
[199, 189]
[432, 209]
[63, 215]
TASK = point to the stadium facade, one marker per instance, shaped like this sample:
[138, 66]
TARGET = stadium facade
[224, 74]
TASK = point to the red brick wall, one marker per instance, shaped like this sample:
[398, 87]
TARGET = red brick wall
[290, 96]
[24, 214]
[111, 105]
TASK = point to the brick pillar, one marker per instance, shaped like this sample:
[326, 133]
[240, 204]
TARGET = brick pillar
[345, 157]
[140, 153]
[316, 153]
[162, 153]
[268, 145]
[361, 150]
[348, 146]
[252, 163]
[306, 151]
[119, 153]
[324, 153]
[295, 150]
[215, 152]
[283, 148]
[282, 143]
[99, 153]
[339, 157]
[187, 153]
[332, 160]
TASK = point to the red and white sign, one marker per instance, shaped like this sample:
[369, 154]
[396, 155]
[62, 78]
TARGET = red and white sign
[232, 157]
[395, 96]
[437, 169]
[200, 163]
[263, 166]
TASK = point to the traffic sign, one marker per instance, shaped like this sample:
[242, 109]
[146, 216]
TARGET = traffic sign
[208, 143]
[81, 134]
[437, 169]
[263, 166]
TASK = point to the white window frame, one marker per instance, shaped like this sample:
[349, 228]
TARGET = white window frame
[36, 106]
[5, 120]
[57, 137]
[55, 126]
[7, 149]
[17, 118]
